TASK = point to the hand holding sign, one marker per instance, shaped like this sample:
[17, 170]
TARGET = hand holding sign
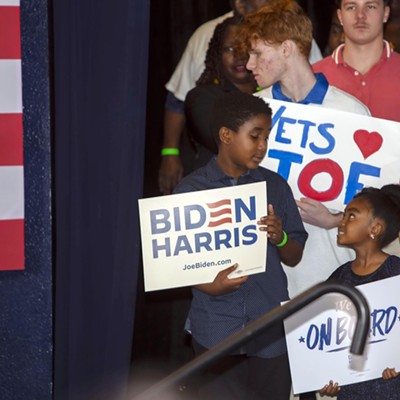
[390, 373]
[223, 283]
[272, 224]
[332, 389]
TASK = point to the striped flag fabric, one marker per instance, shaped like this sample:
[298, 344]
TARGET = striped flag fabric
[11, 139]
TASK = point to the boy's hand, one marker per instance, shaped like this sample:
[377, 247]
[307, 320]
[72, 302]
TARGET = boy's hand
[222, 284]
[272, 224]
[315, 213]
[332, 389]
[390, 373]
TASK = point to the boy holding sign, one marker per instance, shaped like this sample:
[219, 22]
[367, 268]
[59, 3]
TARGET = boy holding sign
[259, 370]
[371, 221]
[278, 38]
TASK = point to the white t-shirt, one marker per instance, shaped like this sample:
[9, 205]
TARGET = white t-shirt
[321, 254]
[191, 64]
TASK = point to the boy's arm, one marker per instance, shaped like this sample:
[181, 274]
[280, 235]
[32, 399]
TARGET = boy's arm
[222, 284]
[291, 252]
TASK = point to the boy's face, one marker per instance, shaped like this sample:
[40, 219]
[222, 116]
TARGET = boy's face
[246, 148]
[266, 62]
[363, 20]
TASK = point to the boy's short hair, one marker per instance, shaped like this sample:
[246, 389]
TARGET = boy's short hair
[277, 21]
[233, 109]
[339, 3]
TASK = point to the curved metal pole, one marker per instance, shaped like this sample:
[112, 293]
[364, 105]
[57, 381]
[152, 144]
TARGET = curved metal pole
[276, 315]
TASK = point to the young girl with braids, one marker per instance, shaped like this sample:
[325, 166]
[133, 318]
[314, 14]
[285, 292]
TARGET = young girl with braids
[371, 221]
[225, 71]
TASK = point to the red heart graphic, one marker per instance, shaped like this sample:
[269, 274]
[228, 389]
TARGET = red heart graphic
[368, 142]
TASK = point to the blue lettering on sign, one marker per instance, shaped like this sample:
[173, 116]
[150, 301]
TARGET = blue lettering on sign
[249, 232]
[249, 211]
[203, 240]
[281, 130]
[277, 115]
[286, 159]
[284, 135]
[320, 337]
[306, 129]
[383, 321]
[194, 217]
[161, 246]
[182, 245]
[159, 221]
[354, 185]
[223, 238]
[323, 130]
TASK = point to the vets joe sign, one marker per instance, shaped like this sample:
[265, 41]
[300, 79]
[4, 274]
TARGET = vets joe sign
[330, 155]
[188, 238]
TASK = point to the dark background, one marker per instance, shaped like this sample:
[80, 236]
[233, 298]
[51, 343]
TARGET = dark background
[160, 344]
[171, 24]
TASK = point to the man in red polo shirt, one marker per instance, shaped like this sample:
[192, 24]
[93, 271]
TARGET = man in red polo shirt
[365, 65]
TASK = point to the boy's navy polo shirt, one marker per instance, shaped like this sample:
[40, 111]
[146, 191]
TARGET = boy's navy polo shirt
[214, 318]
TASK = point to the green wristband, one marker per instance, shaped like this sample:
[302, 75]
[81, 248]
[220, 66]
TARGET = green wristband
[284, 240]
[170, 152]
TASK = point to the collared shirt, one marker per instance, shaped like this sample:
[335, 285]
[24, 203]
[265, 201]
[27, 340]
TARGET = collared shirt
[214, 318]
[378, 89]
[315, 96]
[321, 95]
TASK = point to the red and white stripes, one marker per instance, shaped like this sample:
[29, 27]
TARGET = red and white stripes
[11, 139]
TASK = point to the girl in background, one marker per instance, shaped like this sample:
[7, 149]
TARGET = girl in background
[225, 71]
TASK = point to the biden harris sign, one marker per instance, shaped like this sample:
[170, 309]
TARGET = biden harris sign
[330, 155]
[188, 238]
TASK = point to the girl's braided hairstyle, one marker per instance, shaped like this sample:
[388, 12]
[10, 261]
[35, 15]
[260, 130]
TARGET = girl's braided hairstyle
[213, 64]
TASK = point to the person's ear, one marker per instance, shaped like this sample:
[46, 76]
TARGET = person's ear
[339, 15]
[377, 228]
[287, 47]
[386, 14]
[225, 135]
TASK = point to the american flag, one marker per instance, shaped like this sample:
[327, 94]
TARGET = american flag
[11, 139]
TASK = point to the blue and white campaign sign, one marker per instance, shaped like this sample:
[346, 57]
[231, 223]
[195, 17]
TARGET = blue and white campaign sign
[188, 238]
[321, 334]
[330, 155]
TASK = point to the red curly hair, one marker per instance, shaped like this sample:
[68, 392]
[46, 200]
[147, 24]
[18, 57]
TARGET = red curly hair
[276, 22]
